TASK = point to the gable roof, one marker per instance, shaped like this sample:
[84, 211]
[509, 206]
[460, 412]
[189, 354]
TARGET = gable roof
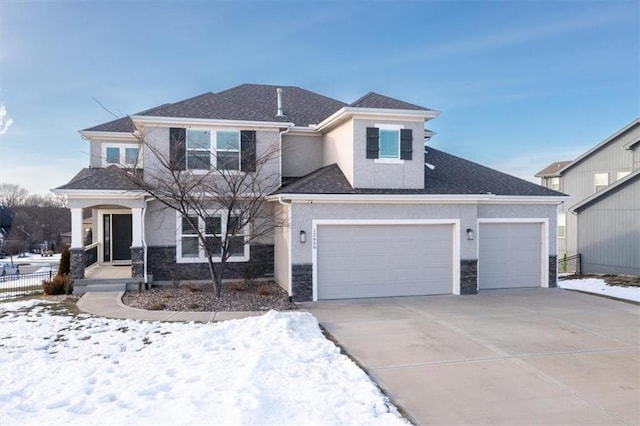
[375, 100]
[451, 175]
[257, 102]
[552, 169]
[607, 141]
[97, 178]
[628, 180]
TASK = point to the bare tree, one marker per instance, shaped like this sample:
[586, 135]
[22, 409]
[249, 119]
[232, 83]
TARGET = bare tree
[223, 206]
[12, 195]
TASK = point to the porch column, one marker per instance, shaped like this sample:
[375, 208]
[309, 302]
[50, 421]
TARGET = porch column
[77, 247]
[137, 251]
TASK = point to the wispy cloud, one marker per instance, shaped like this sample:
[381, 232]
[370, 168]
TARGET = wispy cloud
[5, 120]
[525, 166]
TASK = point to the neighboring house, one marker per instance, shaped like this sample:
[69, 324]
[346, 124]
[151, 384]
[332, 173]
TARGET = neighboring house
[370, 212]
[601, 219]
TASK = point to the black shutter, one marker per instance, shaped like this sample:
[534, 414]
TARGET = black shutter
[372, 142]
[177, 148]
[406, 144]
[248, 150]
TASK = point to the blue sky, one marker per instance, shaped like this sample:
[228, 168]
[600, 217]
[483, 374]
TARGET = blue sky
[519, 83]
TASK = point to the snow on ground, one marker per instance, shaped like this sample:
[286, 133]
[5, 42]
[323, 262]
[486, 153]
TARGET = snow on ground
[598, 286]
[57, 368]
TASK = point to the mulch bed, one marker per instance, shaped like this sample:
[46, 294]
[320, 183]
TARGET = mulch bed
[236, 296]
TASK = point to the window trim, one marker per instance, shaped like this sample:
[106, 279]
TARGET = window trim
[122, 149]
[389, 160]
[562, 224]
[213, 149]
[622, 174]
[555, 180]
[202, 257]
[187, 150]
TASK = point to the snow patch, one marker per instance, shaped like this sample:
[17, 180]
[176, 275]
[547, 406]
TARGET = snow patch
[598, 286]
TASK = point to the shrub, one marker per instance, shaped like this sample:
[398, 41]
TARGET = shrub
[60, 284]
[65, 262]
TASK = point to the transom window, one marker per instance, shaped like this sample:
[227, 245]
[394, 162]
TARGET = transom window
[601, 181]
[213, 229]
[125, 155]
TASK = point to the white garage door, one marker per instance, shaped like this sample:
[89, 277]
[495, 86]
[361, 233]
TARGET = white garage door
[510, 255]
[356, 261]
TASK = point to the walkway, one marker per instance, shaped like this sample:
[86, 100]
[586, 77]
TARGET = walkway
[109, 304]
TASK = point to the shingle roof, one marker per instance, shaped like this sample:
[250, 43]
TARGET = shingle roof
[98, 178]
[254, 102]
[451, 175]
[552, 169]
[120, 125]
[375, 100]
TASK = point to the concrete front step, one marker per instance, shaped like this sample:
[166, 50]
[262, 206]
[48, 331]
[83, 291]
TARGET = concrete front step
[103, 285]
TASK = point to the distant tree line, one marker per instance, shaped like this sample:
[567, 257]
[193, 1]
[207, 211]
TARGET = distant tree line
[37, 219]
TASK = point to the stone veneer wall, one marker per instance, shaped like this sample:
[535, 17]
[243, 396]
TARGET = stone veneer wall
[302, 282]
[77, 263]
[553, 271]
[468, 276]
[137, 262]
[162, 264]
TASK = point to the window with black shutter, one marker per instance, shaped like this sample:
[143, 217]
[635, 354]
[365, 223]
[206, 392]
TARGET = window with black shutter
[177, 148]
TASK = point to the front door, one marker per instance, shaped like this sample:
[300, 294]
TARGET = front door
[117, 237]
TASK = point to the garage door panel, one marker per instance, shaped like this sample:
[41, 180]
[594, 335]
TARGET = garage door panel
[509, 255]
[383, 260]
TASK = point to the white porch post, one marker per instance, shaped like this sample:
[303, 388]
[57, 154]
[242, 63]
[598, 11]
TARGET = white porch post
[136, 227]
[76, 228]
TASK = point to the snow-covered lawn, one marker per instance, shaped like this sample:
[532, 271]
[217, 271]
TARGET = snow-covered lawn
[598, 286]
[57, 368]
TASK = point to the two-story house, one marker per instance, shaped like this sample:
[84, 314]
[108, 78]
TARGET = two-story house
[369, 210]
[601, 219]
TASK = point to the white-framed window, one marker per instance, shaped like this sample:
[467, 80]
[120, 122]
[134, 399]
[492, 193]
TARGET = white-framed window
[215, 230]
[389, 143]
[127, 155]
[198, 149]
[205, 148]
[620, 175]
[601, 181]
[562, 224]
[554, 183]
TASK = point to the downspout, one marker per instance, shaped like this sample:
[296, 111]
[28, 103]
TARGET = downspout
[144, 243]
[290, 248]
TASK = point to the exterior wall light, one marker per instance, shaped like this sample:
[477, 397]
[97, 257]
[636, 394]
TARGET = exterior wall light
[303, 237]
[469, 234]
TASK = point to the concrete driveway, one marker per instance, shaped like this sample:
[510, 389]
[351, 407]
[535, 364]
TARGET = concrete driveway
[546, 356]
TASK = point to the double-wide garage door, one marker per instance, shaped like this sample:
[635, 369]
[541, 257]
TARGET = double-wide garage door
[356, 261]
[510, 255]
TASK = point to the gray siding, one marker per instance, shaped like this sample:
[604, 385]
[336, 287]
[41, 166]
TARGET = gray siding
[579, 181]
[301, 155]
[609, 233]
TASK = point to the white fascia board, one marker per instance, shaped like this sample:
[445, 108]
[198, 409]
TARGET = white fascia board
[125, 136]
[303, 131]
[418, 199]
[375, 113]
[86, 194]
[181, 122]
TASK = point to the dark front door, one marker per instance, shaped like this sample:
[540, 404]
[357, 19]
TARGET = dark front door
[121, 236]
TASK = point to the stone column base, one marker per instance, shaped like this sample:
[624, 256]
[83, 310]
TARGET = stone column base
[137, 262]
[302, 285]
[77, 263]
[553, 271]
[468, 276]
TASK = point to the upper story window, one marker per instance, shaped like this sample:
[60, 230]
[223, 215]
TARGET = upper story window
[601, 181]
[389, 142]
[202, 149]
[127, 155]
[554, 183]
[620, 175]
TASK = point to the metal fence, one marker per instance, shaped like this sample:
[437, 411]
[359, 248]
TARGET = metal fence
[15, 285]
[570, 264]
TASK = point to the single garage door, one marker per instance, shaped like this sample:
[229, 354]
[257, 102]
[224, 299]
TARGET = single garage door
[509, 255]
[356, 261]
